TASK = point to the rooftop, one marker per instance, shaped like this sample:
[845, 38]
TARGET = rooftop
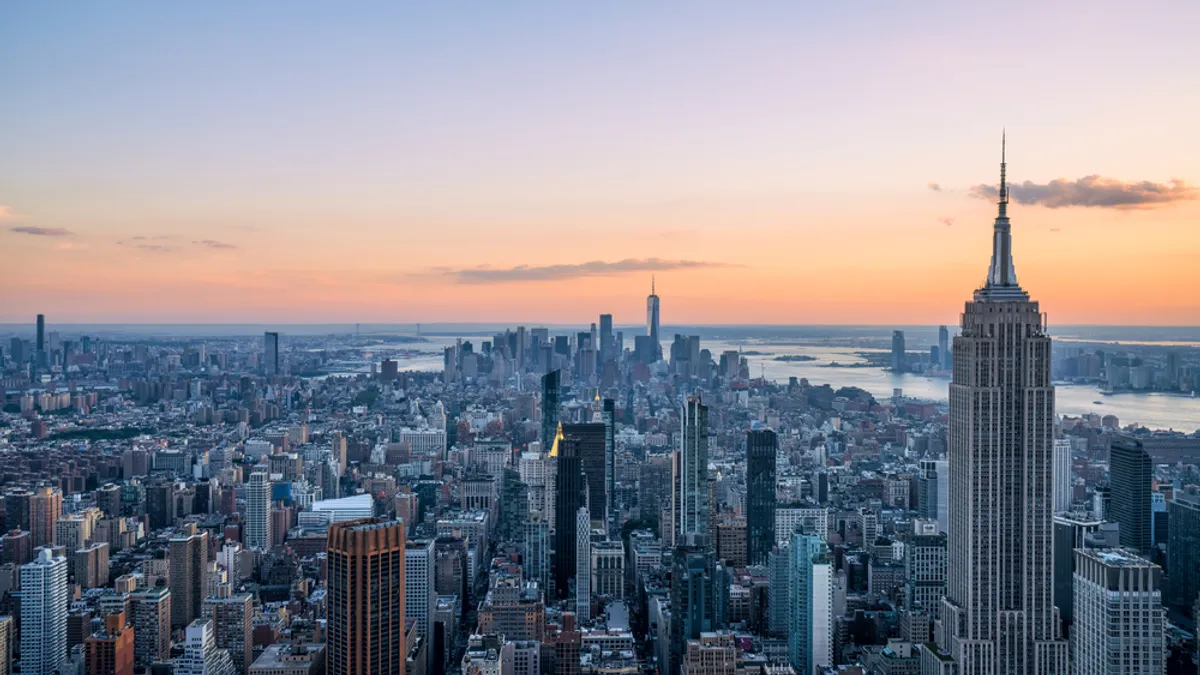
[362, 501]
[1116, 557]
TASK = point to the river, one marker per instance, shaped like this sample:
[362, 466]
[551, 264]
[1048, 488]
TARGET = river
[1153, 410]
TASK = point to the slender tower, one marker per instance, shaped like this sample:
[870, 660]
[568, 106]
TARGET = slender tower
[998, 616]
[652, 320]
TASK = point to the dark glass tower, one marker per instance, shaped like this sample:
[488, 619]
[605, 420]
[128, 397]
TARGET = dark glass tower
[593, 455]
[761, 445]
[693, 601]
[1130, 472]
[569, 495]
[652, 319]
[549, 409]
[607, 346]
[609, 418]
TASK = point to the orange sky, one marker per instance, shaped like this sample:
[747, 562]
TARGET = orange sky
[782, 262]
[186, 163]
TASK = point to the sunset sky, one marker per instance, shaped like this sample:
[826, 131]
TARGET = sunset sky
[782, 163]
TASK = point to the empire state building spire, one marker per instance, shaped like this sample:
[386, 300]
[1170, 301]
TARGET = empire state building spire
[1002, 275]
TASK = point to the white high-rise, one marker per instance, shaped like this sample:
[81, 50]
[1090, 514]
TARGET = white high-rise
[583, 564]
[419, 588]
[258, 511]
[44, 602]
[998, 616]
[201, 655]
[810, 604]
[1119, 623]
[1063, 477]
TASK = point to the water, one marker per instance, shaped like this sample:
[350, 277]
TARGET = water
[1152, 410]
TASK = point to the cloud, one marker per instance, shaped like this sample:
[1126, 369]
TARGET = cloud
[935, 187]
[153, 248]
[946, 221]
[146, 243]
[214, 244]
[42, 231]
[594, 268]
[1093, 191]
[6, 212]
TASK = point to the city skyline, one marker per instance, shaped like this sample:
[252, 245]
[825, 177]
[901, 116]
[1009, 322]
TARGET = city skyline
[602, 339]
[350, 184]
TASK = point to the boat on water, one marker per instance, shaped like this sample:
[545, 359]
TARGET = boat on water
[1098, 402]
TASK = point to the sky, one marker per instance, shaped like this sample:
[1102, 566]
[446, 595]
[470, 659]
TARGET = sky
[765, 162]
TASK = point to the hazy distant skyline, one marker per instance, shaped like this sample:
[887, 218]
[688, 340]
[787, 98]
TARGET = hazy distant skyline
[785, 164]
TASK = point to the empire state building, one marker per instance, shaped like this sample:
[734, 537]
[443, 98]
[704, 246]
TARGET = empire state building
[998, 615]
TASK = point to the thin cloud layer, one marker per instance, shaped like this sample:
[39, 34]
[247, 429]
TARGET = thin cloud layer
[42, 231]
[1093, 192]
[211, 243]
[935, 187]
[594, 268]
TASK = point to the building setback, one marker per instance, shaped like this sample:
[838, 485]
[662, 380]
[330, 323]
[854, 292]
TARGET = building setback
[998, 614]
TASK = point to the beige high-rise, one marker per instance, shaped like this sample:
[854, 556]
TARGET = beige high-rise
[998, 615]
[188, 557]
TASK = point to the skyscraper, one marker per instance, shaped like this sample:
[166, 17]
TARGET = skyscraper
[693, 600]
[44, 601]
[201, 656]
[270, 353]
[1183, 548]
[998, 615]
[933, 492]
[550, 383]
[761, 447]
[690, 494]
[1064, 476]
[1130, 473]
[583, 563]
[944, 347]
[652, 317]
[593, 450]
[608, 417]
[258, 511]
[899, 358]
[45, 508]
[420, 585]
[570, 493]
[7, 628]
[810, 607]
[607, 348]
[187, 554]
[41, 339]
[231, 615]
[366, 598]
[151, 625]
[1120, 623]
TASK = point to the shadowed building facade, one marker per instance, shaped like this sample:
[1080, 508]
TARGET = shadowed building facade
[761, 446]
[571, 444]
